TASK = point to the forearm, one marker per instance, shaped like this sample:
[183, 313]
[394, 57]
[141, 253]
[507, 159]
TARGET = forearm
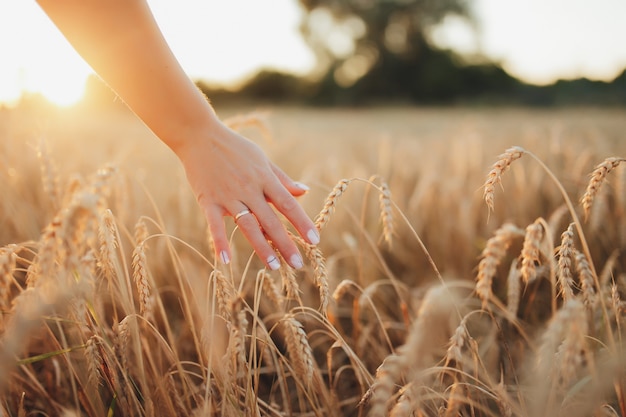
[121, 41]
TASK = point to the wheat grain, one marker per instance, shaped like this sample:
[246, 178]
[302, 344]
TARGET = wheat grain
[315, 256]
[571, 353]
[76, 234]
[491, 256]
[107, 235]
[597, 179]
[314, 253]
[457, 341]
[224, 293]
[8, 260]
[495, 175]
[585, 275]
[330, 203]
[299, 349]
[238, 332]
[380, 393]
[565, 330]
[531, 250]
[615, 297]
[142, 280]
[122, 335]
[566, 281]
[513, 288]
[93, 358]
[386, 212]
[270, 289]
[289, 281]
[45, 264]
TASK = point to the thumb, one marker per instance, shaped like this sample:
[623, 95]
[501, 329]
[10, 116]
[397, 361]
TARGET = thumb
[295, 188]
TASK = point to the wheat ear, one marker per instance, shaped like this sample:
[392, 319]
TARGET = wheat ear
[93, 358]
[386, 213]
[142, 281]
[330, 203]
[299, 349]
[495, 175]
[597, 179]
[492, 255]
[566, 281]
[585, 275]
[531, 251]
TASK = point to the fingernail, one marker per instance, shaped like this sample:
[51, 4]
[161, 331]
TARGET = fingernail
[296, 261]
[225, 258]
[313, 236]
[302, 186]
[273, 263]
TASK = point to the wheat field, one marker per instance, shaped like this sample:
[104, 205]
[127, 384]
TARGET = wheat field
[470, 265]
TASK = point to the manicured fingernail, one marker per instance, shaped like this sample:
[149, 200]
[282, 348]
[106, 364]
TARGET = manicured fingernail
[296, 261]
[273, 263]
[302, 186]
[313, 236]
[225, 258]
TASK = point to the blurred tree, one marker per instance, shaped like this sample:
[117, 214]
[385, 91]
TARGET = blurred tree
[379, 48]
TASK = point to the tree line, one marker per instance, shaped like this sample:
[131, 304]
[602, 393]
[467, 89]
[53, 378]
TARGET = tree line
[378, 51]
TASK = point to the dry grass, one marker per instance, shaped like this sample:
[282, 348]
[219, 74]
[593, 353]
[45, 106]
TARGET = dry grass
[441, 299]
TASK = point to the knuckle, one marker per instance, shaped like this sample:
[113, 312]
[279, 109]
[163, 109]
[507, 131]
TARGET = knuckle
[286, 204]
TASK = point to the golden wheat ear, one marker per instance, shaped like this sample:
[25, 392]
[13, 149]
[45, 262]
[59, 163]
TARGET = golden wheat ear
[598, 176]
[495, 175]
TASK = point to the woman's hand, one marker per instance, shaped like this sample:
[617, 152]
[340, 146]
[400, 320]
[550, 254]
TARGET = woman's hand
[231, 176]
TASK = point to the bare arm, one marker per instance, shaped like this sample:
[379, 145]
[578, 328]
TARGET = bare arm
[228, 173]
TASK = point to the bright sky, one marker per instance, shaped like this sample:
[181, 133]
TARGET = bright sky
[223, 41]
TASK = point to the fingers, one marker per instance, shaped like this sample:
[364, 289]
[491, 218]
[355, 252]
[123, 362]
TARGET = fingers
[261, 226]
[215, 219]
[286, 204]
[295, 188]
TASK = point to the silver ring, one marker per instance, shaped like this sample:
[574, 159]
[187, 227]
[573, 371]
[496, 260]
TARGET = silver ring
[242, 213]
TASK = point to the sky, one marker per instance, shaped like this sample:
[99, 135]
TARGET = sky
[538, 41]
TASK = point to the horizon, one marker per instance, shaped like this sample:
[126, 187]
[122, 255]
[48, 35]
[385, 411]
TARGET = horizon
[534, 42]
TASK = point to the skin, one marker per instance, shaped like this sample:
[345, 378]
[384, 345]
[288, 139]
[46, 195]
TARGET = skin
[228, 173]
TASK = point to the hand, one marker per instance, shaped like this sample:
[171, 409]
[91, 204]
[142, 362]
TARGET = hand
[229, 175]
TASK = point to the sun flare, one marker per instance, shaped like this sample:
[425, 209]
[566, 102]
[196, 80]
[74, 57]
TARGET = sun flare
[62, 88]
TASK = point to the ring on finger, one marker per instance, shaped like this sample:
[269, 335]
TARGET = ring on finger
[242, 213]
